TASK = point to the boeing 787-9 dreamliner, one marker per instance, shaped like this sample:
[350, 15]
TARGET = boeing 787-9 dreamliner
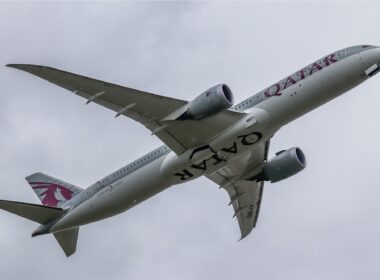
[207, 136]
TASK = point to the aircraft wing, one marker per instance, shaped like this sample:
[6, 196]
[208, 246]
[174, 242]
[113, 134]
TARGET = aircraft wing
[245, 195]
[146, 108]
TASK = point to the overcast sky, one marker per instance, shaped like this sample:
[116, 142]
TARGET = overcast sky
[320, 224]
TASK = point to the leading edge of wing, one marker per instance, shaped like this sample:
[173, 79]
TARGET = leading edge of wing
[37, 70]
[146, 108]
[143, 107]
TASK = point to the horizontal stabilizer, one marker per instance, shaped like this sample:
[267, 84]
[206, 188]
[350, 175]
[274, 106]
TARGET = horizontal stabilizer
[34, 212]
[67, 239]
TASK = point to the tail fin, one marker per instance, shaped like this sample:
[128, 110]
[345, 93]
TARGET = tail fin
[67, 239]
[37, 213]
[52, 192]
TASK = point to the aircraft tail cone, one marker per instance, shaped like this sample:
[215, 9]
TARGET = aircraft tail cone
[42, 229]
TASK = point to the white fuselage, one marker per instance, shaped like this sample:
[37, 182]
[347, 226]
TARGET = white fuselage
[279, 104]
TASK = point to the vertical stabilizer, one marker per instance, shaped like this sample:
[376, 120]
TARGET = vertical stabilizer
[52, 192]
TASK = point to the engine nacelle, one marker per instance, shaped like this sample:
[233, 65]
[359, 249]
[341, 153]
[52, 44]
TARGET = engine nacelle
[210, 102]
[285, 164]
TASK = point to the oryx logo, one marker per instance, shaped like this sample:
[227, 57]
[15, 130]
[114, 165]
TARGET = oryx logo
[51, 194]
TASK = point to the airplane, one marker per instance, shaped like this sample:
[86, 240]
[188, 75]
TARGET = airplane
[207, 136]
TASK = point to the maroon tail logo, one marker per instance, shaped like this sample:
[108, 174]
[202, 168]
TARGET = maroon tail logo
[48, 193]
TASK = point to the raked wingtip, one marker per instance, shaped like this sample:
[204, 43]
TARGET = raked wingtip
[16, 66]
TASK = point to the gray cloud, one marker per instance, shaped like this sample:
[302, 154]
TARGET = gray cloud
[319, 224]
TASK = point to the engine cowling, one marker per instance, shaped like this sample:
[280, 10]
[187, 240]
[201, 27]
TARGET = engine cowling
[284, 165]
[210, 102]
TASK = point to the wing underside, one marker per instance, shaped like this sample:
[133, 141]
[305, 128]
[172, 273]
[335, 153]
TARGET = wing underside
[245, 196]
[147, 108]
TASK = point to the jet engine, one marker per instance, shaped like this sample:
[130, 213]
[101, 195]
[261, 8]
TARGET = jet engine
[284, 165]
[210, 102]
